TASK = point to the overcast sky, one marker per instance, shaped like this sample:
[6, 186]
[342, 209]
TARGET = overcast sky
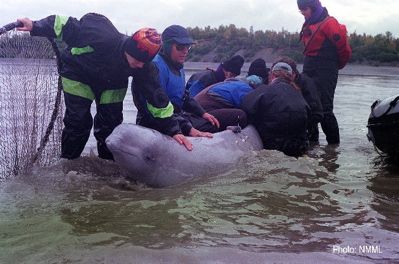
[363, 16]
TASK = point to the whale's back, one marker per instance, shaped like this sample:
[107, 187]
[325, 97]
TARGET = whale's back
[158, 160]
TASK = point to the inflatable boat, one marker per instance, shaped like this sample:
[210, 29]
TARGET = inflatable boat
[383, 125]
[147, 156]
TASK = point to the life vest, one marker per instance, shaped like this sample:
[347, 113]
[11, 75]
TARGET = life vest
[174, 85]
[316, 35]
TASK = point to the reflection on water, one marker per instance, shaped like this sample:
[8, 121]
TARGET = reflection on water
[267, 209]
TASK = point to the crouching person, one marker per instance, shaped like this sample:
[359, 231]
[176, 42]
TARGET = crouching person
[223, 100]
[95, 66]
[160, 96]
[279, 112]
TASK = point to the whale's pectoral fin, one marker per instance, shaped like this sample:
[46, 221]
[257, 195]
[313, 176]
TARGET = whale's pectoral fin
[235, 129]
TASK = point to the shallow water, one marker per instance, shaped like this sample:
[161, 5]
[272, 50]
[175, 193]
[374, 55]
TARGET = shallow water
[325, 207]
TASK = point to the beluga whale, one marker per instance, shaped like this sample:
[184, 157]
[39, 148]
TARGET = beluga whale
[147, 156]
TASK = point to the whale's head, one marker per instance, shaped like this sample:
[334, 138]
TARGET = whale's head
[138, 150]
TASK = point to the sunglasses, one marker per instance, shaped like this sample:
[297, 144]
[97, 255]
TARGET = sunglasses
[181, 47]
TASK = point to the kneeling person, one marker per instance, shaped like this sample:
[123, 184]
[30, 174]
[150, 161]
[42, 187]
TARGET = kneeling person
[279, 112]
[223, 100]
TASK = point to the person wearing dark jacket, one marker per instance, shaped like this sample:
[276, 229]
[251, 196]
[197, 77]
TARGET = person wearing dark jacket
[258, 68]
[170, 75]
[95, 66]
[227, 69]
[311, 95]
[279, 112]
[326, 51]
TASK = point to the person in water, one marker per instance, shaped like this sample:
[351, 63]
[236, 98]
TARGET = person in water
[95, 66]
[170, 75]
[311, 94]
[258, 67]
[326, 51]
[227, 69]
[279, 112]
[223, 100]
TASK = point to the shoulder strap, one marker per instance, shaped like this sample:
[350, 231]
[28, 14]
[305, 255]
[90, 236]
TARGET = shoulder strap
[317, 30]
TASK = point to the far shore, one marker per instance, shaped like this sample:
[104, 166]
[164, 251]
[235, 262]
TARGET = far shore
[350, 69]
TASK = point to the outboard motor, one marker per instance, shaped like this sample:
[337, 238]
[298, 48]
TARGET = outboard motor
[383, 125]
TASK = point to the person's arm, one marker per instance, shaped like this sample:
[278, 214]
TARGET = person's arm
[188, 129]
[192, 106]
[337, 34]
[54, 26]
[158, 104]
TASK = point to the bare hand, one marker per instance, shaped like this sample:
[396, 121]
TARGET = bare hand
[213, 120]
[28, 24]
[182, 140]
[196, 133]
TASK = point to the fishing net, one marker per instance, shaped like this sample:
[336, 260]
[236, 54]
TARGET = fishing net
[31, 107]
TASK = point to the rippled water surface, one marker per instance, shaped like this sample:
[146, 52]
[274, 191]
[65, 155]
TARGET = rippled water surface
[337, 204]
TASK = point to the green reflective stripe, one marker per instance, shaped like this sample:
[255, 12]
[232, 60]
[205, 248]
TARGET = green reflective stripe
[113, 96]
[77, 88]
[59, 23]
[161, 112]
[79, 51]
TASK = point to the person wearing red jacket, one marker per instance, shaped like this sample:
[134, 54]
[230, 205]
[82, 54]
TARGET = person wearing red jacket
[326, 50]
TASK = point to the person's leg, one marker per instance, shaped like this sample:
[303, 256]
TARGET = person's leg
[109, 115]
[327, 82]
[313, 133]
[77, 125]
[330, 128]
[200, 123]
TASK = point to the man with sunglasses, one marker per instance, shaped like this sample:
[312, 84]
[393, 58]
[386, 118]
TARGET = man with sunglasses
[193, 119]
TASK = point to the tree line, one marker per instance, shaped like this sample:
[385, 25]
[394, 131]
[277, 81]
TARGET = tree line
[225, 41]
[218, 44]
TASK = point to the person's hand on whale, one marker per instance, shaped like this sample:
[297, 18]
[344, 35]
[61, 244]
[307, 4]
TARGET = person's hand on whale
[213, 120]
[182, 140]
[196, 133]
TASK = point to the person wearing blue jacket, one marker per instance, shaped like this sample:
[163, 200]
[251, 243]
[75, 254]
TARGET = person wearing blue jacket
[193, 119]
[223, 100]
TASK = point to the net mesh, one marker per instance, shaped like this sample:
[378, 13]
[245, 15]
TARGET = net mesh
[30, 103]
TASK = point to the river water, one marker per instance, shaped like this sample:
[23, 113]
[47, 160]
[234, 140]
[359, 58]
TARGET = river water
[336, 204]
